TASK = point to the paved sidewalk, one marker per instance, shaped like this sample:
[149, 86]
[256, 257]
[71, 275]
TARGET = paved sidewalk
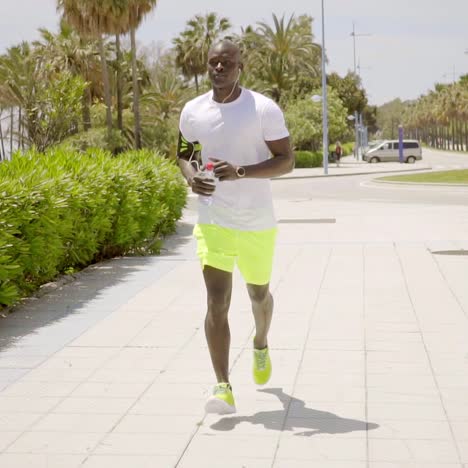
[369, 347]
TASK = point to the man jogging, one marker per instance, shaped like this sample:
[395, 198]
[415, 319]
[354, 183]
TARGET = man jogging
[244, 134]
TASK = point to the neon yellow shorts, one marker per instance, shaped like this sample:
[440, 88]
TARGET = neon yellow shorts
[221, 248]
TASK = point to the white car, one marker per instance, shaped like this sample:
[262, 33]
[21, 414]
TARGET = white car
[388, 150]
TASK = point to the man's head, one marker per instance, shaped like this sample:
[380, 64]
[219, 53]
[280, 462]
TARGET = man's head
[224, 64]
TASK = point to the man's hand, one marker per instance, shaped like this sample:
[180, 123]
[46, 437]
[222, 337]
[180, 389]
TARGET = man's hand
[201, 185]
[224, 170]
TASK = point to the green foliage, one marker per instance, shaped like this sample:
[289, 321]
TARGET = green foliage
[304, 119]
[57, 110]
[307, 159]
[97, 138]
[61, 211]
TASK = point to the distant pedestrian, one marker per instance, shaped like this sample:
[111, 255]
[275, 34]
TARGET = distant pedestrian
[338, 153]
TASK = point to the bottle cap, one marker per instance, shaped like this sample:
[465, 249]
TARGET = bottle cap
[209, 166]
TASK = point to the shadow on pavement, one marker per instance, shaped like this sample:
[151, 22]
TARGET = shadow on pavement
[70, 306]
[296, 416]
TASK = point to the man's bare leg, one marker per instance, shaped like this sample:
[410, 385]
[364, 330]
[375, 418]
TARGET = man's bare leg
[218, 336]
[262, 308]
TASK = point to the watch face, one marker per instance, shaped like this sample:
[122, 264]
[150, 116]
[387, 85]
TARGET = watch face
[240, 171]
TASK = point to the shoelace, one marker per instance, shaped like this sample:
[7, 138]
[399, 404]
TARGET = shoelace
[260, 358]
[221, 389]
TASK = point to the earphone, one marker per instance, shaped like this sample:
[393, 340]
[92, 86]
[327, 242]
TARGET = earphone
[233, 86]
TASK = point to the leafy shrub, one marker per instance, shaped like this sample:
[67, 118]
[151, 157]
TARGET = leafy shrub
[306, 159]
[96, 138]
[63, 210]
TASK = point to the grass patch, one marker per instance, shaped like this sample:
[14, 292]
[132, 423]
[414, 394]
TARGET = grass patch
[442, 177]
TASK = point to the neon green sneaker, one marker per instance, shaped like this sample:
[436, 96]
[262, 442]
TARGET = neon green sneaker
[222, 400]
[261, 366]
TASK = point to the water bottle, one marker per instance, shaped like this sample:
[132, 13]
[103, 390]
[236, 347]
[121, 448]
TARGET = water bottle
[208, 174]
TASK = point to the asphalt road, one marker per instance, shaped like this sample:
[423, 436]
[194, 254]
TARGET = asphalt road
[363, 188]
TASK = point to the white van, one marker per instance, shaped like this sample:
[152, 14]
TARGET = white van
[388, 150]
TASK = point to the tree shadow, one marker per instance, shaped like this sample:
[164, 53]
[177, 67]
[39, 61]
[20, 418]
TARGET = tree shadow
[295, 416]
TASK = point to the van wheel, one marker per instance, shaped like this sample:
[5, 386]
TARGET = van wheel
[410, 159]
[374, 160]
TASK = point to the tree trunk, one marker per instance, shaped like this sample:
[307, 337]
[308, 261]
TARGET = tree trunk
[2, 145]
[20, 131]
[466, 136]
[118, 52]
[86, 108]
[11, 131]
[136, 91]
[106, 83]
[196, 83]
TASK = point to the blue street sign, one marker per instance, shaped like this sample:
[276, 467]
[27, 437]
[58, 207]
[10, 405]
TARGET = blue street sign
[400, 143]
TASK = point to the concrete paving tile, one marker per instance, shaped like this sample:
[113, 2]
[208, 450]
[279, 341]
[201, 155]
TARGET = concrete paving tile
[119, 376]
[55, 443]
[206, 461]
[226, 446]
[413, 465]
[65, 374]
[13, 404]
[396, 395]
[76, 423]
[20, 362]
[457, 411]
[330, 410]
[94, 405]
[173, 406]
[111, 390]
[142, 444]
[400, 411]
[329, 393]
[158, 423]
[17, 422]
[16, 460]
[206, 377]
[333, 344]
[141, 358]
[125, 461]
[405, 429]
[30, 388]
[331, 379]
[327, 427]
[409, 382]
[407, 450]
[463, 446]
[291, 463]
[307, 448]
[87, 352]
[460, 429]
[7, 438]
[173, 390]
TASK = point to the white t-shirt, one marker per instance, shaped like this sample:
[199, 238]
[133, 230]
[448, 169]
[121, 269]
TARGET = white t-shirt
[236, 132]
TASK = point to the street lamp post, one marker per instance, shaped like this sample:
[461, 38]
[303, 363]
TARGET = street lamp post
[356, 115]
[324, 98]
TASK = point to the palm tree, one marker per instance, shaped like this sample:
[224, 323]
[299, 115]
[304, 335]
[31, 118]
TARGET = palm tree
[277, 56]
[92, 20]
[194, 42]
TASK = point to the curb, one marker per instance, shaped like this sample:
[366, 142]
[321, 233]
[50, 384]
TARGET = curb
[429, 184]
[313, 176]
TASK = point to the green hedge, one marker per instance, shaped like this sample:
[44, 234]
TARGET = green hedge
[63, 210]
[305, 159]
[308, 159]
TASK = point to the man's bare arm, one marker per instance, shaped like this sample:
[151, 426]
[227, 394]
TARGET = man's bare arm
[281, 163]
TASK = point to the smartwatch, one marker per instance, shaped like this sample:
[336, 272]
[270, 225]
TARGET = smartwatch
[240, 172]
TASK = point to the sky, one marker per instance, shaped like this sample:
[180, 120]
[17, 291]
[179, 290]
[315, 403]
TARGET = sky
[406, 45]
